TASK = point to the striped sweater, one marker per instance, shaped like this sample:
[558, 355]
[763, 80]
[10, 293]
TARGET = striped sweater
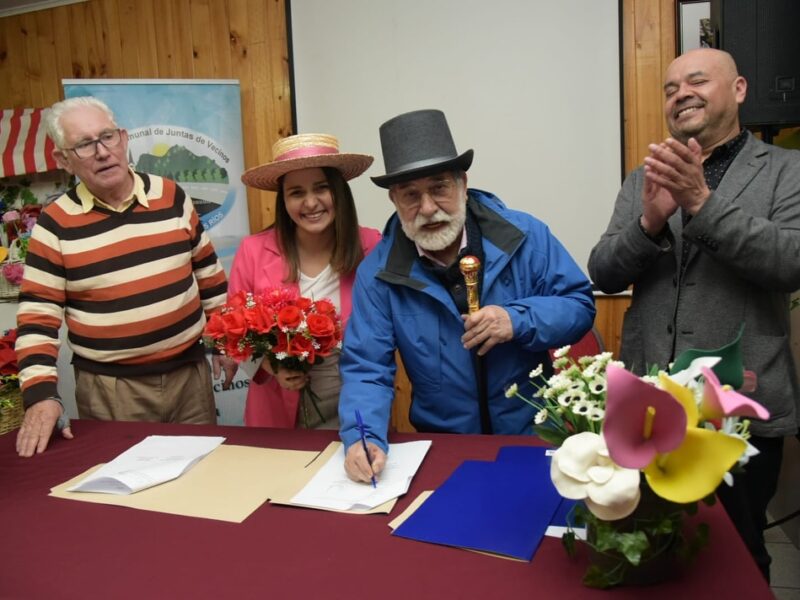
[134, 287]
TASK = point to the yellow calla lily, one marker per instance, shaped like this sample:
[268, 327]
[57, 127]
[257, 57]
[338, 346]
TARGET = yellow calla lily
[683, 395]
[695, 469]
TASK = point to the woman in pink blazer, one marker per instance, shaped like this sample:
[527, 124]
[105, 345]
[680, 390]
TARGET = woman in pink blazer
[314, 248]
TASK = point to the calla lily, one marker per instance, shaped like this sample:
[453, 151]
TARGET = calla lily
[693, 370]
[641, 420]
[696, 468]
[683, 395]
[729, 368]
[582, 470]
[718, 401]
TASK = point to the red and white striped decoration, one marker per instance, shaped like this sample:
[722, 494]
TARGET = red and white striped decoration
[24, 144]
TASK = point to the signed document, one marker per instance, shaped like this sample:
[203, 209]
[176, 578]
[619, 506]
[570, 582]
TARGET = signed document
[155, 460]
[331, 489]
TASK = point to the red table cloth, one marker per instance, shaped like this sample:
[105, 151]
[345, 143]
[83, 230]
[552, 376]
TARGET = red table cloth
[55, 548]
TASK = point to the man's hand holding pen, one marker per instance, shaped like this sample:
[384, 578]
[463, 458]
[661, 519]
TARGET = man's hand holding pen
[357, 465]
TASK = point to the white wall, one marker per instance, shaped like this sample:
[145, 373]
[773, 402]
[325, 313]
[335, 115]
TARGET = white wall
[532, 86]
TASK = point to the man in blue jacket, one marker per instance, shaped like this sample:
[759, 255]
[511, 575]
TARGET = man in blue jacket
[409, 295]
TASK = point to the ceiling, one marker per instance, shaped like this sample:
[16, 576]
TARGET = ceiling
[14, 7]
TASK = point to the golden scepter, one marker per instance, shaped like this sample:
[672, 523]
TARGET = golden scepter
[470, 267]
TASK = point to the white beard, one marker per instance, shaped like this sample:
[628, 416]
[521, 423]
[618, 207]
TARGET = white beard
[433, 241]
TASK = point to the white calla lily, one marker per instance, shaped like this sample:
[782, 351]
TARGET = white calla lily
[582, 470]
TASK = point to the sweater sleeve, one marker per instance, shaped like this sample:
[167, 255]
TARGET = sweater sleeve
[40, 314]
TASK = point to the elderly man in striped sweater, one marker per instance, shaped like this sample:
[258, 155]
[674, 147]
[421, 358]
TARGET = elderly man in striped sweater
[123, 259]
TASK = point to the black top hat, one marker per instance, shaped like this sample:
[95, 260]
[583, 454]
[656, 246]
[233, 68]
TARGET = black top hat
[418, 144]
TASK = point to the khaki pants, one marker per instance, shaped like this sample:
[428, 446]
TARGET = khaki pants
[327, 384]
[184, 395]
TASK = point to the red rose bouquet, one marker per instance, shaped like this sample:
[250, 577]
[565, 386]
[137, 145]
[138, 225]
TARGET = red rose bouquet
[9, 371]
[291, 331]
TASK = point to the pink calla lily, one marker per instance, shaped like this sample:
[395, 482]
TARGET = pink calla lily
[641, 420]
[720, 402]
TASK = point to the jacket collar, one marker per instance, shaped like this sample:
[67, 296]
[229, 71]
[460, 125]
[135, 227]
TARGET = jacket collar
[402, 266]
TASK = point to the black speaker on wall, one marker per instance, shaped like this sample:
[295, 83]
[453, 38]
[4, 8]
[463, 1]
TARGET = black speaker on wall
[763, 36]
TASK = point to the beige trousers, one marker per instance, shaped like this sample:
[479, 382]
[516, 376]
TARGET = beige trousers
[184, 395]
[326, 384]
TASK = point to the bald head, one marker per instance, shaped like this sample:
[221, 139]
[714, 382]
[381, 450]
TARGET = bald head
[718, 59]
[703, 91]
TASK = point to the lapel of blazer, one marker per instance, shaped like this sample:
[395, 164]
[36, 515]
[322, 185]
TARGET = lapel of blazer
[740, 173]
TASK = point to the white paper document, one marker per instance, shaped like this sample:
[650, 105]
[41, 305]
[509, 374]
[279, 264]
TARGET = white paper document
[154, 460]
[330, 488]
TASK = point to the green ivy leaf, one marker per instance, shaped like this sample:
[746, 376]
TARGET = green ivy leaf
[632, 545]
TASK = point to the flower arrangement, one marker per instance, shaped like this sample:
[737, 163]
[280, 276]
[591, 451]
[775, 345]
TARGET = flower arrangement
[19, 211]
[292, 331]
[641, 452]
[9, 371]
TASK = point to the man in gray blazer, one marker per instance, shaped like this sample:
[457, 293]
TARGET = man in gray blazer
[707, 232]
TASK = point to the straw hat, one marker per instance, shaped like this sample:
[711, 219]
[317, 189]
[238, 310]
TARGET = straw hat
[303, 151]
[418, 144]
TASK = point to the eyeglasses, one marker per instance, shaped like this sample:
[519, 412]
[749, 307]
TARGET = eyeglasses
[109, 139]
[409, 197]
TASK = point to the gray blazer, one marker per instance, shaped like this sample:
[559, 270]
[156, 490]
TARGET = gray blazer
[742, 267]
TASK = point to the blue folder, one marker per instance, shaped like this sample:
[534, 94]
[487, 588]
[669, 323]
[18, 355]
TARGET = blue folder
[502, 507]
[528, 454]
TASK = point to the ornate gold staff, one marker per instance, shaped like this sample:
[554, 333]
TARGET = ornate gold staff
[470, 267]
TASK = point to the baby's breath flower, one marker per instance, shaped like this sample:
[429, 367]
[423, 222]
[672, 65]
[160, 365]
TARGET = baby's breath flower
[561, 352]
[560, 363]
[512, 390]
[541, 417]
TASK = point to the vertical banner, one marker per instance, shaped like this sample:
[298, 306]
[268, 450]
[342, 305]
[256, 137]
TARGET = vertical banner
[189, 131]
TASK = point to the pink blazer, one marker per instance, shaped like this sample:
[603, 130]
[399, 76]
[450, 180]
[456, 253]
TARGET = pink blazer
[257, 267]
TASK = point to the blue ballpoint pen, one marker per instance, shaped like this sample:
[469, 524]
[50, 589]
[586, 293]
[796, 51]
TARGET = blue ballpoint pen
[362, 432]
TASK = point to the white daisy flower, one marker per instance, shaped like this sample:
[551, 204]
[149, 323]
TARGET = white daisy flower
[541, 417]
[512, 390]
[581, 407]
[597, 385]
[596, 414]
[536, 372]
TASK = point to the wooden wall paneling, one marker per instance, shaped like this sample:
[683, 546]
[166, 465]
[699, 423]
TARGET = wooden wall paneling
[145, 29]
[107, 33]
[96, 43]
[78, 48]
[129, 39]
[201, 25]
[17, 88]
[182, 35]
[244, 29]
[33, 58]
[48, 55]
[167, 27]
[630, 90]
[608, 321]
[6, 57]
[220, 38]
[261, 204]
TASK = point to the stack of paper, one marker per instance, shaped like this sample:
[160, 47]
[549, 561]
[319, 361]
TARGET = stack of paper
[154, 460]
[331, 489]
